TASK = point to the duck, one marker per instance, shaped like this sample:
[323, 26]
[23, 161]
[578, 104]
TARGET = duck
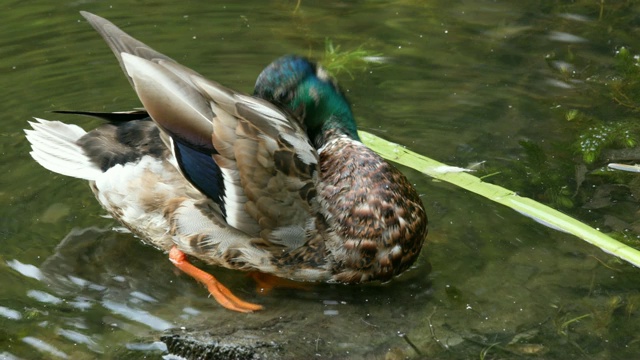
[277, 182]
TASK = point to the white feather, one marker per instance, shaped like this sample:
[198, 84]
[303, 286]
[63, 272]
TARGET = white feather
[234, 202]
[55, 147]
[127, 189]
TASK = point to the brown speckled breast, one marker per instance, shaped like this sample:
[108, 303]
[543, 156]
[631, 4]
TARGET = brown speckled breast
[376, 213]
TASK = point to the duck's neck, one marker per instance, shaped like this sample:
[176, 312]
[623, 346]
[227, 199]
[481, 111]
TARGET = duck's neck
[326, 112]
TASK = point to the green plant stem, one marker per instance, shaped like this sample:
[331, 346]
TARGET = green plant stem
[530, 208]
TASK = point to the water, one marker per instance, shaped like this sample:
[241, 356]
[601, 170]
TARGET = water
[462, 82]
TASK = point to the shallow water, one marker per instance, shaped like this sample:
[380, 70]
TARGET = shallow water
[461, 82]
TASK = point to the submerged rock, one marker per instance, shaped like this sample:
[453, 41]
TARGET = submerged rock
[199, 345]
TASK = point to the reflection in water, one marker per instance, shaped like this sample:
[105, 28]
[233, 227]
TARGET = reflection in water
[25, 269]
[44, 297]
[141, 316]
[79, 338]
[10, 313]
[8, 356]
[574, 17]
[84, 283]
[71, 275]
[189, 313]
[44, 347]
[93, 281]
[566, 37]
[81, 303]
[142, 296]
[329, 304]
[153, 346]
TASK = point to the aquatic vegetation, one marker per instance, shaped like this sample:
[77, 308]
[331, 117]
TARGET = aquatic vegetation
[336, 60]
[538, 176]
[548, 177]
[564, 322]
[594, 123]
[596, 138]
[603, 314]
[485, 351]
[622, 87]
[625, 85]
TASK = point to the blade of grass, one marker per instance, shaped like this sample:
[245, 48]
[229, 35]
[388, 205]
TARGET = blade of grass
[530, 208]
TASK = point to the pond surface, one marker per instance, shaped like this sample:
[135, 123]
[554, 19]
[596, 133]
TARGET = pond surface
[462, 82]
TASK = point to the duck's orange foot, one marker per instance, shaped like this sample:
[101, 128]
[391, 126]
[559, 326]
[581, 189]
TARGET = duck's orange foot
[267, 282]
[219, 292]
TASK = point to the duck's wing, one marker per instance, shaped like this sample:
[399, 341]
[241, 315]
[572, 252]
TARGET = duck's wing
[270, 160]
[244, 153]
[121, 42]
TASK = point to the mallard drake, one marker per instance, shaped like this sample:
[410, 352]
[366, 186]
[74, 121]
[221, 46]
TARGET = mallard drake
[277, 182]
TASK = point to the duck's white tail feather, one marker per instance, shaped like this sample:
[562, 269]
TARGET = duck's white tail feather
[55, 147]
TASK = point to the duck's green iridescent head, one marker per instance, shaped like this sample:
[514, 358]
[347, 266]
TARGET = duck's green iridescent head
[306, 90]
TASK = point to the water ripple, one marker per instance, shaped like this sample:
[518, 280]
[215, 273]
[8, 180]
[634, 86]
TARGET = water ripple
[44, 297]
[141, 316]
[26, 269]
[9, 314]
[79, 338]
[44, 347]
[566, 37]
